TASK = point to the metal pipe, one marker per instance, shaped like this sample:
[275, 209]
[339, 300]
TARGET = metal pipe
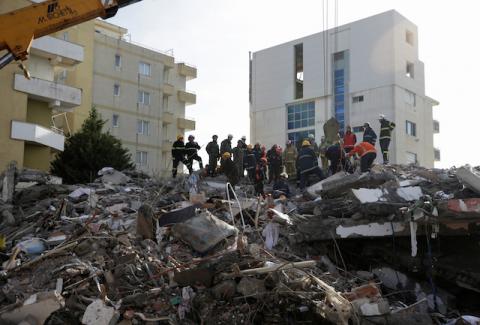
[6, 59]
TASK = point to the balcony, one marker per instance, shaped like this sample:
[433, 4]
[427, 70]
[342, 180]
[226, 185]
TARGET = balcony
[186, 97]
[436, 127]
[37, 134]
[166, 145]
[186, 124]
[61, 97]
[168, 89]
[167, 118]
[57, 51]
[187, 70]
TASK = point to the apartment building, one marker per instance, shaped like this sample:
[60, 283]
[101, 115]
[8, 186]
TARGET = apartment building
[354, 73]
[142, 93]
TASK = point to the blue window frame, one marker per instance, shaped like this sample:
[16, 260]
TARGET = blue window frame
[340, 97]
[298, 137]
[301, 115]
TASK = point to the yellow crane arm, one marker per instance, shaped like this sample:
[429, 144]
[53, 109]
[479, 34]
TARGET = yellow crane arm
[20, 27]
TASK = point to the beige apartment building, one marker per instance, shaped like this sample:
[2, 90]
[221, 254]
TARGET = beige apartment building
[141, 92]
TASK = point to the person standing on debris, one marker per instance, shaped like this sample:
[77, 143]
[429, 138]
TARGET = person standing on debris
[274, 164]
[313, 144]
[238, 157]
[191, 149]
[226, 145]
[257, 151]
[178, 155]
[213, 155]
[349, 140]
[323, 151]
[367, 153]
[334, 156]
[250, 163]
[386, 128]
[280, 187]
[307, 164]
[290, 156]
[230, 170]
[260, 177]
[243, 139]
[368, 134]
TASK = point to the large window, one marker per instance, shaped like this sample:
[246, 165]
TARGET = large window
[116, 90]
[340, 65]
[143, 97]
[144, 69]
[298, 137]
[411, 128]
[410, 98]
[118, 61]
[411, 158]
[301, 115]
[410, 70]
[141, 158]
[143, 127]
[115, 123]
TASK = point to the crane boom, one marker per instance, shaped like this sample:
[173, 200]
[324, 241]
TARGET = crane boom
[20, 27]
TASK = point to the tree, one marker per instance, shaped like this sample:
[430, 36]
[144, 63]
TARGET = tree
[88, 151]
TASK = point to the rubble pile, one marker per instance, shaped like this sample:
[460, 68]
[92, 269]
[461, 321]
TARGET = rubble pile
[130, 249]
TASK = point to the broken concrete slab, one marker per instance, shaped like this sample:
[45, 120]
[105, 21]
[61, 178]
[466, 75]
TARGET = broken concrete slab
[469, 177]
[97, 313]
[337, 187]
[145, 222]
[38, 307]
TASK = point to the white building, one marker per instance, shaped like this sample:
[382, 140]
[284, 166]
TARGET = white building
[354, 73]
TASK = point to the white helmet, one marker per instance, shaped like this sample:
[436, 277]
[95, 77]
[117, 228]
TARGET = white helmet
[382, 116]
[311, 136]
[244, 138]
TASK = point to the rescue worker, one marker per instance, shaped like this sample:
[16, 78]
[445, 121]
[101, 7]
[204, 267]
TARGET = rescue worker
[274, 164]
[307, 164]
[178, 155]
[386, 128]
[289, 157]
[323, 150]
[334, 156]
[367, 153]
[281, 187]
[349, 140]
[314, 145]
[238, 157]
[368, 134]
[243, 139]
[260, 177]
[191, 149]
[213, 155]
[257, 151]
[250, 163]
[230, 170]
[226, 145]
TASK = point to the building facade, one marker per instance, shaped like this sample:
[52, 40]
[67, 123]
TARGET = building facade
[141, 92]
[354, 73]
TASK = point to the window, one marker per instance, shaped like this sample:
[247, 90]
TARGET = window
[410, 98]
[409, 37]
[116, 90]
[410, 73]
[357, 99]
[411, 158]
[144, 69]
[436, 154]
[166, 74]
[141, 158]
[340, 68]
[165, 103]
[436, 126]
[143, 127]
[357, 129]
[298, 137]
[301, 115]
[411, 128]
[115, 121]
[118, 61]
[298, 71]
[143, 97]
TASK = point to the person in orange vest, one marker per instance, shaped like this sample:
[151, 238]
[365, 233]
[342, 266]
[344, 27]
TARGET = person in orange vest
[367, 153]
[349, 140]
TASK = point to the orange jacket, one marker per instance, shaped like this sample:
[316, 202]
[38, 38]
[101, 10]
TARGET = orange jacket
[362, 149]
[349, 140]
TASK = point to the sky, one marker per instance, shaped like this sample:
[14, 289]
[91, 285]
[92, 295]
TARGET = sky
[217, 35]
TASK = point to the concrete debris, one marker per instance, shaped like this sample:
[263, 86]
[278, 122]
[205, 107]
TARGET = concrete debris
[392, 246]
[469, 177]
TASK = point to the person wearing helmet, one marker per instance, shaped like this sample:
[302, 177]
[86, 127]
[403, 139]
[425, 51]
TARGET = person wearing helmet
[259, 176]
[178, 155]
[250, 163]
[290, 157]
[386, 128]
[244, 142]
[367, 153]
[313, 144]
[191, 149]
[307, 164]
[274, 164]
[368, 134]
[229, 169]
[213, 151]
[238, 157]
[226, 145]
[281, 187]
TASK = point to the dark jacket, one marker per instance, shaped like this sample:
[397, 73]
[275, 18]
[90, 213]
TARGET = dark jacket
[258, 153]
[307, 160]
[386, 128]
[369, 136]
[178, 149]
[281, 185]
[273, 158]
[230, 170]
[213, 149]
[191, 149]
[249, 162]
[225, 146]
[238, 154]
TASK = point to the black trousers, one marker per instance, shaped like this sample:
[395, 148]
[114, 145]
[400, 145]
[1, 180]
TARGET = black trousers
[176, 161]
[366, 161]
[212, 164]
[190, 162]
[274, 172]
[384, 144]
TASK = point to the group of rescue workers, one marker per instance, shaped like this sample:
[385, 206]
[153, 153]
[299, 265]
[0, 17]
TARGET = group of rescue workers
[298, 160]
